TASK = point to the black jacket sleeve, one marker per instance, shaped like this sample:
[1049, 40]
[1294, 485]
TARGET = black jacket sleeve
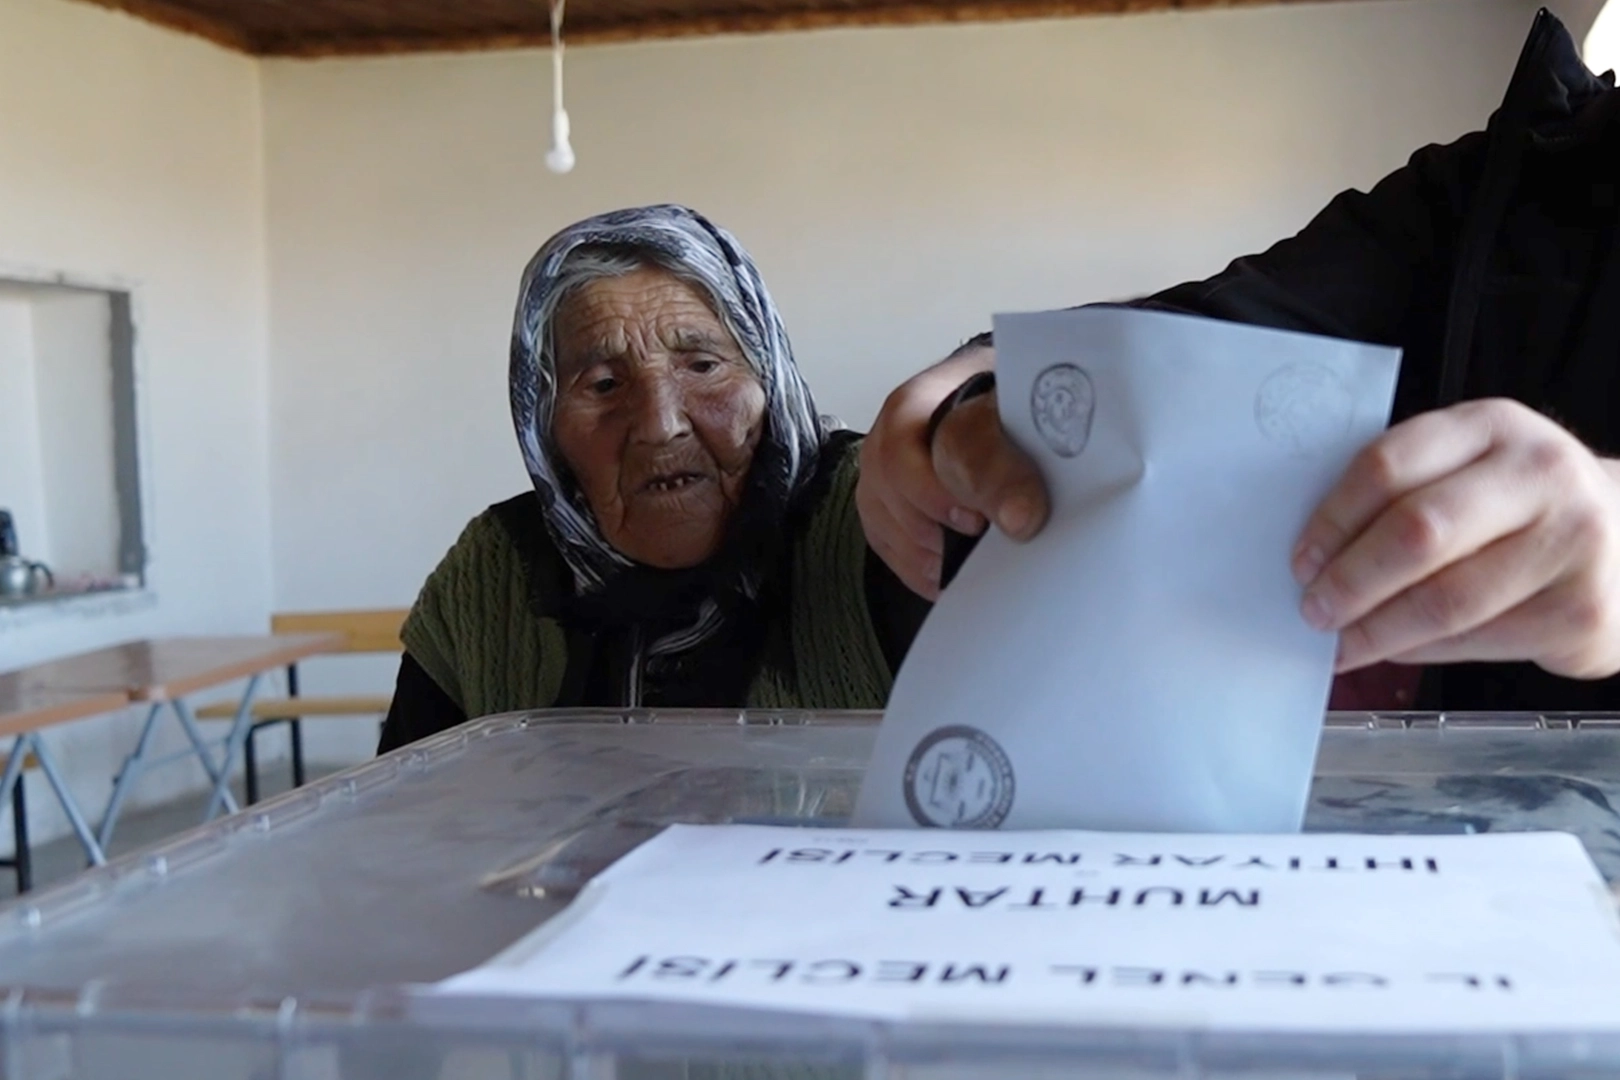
[1371, 266]
[420, 708]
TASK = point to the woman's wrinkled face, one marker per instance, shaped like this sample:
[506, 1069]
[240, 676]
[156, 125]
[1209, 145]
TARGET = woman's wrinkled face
[657, 415]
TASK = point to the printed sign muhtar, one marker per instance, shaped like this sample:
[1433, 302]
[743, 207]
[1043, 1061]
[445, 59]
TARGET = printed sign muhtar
[1305, 933]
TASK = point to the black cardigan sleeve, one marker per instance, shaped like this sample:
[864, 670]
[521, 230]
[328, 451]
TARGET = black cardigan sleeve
[420, 708]
[1368, 267]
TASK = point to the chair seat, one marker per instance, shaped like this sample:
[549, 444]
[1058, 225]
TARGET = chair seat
[314, 705]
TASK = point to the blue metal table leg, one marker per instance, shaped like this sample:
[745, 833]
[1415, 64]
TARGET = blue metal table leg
[81, 827]
[233, 749]
[12, 775]
[126, 777]
[199, 745]
[11, 784]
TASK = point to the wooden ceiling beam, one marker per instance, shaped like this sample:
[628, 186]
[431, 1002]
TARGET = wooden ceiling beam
[582, 31]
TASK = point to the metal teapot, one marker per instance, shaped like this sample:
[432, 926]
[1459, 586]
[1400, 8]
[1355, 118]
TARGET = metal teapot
[23, 577]
[19, 576]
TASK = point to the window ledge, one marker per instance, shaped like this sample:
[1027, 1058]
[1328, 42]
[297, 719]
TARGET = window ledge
[22, 614]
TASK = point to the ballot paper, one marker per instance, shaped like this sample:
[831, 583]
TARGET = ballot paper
[1303, 933]
[1142, 663]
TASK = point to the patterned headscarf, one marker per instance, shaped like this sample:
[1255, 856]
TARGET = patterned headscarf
[672, 237]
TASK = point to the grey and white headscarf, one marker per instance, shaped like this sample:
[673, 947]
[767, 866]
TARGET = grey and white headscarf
[707, 257]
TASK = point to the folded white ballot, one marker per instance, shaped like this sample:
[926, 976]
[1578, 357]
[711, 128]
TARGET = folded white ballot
[1141, 664]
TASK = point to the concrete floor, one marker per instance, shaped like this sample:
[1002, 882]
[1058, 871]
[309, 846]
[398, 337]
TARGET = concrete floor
[137, 829]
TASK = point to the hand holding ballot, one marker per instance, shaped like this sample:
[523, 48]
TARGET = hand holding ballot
[1480, 532]
[1145, 665]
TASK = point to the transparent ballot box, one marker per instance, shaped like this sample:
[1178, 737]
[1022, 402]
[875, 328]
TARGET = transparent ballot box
[281, 943]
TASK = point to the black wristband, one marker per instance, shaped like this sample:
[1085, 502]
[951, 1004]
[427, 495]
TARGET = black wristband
[977, 384]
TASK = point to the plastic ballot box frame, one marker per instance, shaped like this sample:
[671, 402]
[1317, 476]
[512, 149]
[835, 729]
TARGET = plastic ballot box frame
[283, 941]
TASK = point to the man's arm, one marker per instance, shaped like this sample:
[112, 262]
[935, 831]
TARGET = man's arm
[1367, 268]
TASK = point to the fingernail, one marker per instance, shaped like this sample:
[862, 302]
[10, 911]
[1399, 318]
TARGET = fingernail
[1316, 611]
[1016, 515]
[963, 520]
[1308, 562]
[933, 572]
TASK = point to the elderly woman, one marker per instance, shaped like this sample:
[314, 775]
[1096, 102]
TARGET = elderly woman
[692, 537]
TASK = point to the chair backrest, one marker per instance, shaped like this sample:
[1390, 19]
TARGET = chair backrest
[363, 631]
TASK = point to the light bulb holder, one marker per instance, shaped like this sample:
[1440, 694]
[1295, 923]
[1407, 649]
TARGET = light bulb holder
[560, 158]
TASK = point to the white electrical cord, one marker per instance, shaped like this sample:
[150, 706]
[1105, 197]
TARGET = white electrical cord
[560, 158]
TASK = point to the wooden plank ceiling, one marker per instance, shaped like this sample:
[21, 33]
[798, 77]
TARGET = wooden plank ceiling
[355, 27]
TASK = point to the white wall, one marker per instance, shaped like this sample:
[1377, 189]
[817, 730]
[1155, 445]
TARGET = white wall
[133, 153]
[896, 186]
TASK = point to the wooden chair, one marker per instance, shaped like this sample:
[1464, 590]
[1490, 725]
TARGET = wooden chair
[363, 632]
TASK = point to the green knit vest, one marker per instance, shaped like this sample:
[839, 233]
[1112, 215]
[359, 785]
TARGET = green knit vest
[482, 627]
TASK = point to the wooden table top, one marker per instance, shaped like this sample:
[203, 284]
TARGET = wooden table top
[164, 668]
[29, 709]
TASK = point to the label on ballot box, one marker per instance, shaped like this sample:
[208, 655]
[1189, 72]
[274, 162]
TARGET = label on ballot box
[1276, 933]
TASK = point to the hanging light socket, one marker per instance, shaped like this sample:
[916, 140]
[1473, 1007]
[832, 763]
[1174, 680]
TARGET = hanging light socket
[560, 158]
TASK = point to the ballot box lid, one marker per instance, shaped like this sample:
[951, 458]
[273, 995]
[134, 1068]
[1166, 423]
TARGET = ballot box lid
[283, 941]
